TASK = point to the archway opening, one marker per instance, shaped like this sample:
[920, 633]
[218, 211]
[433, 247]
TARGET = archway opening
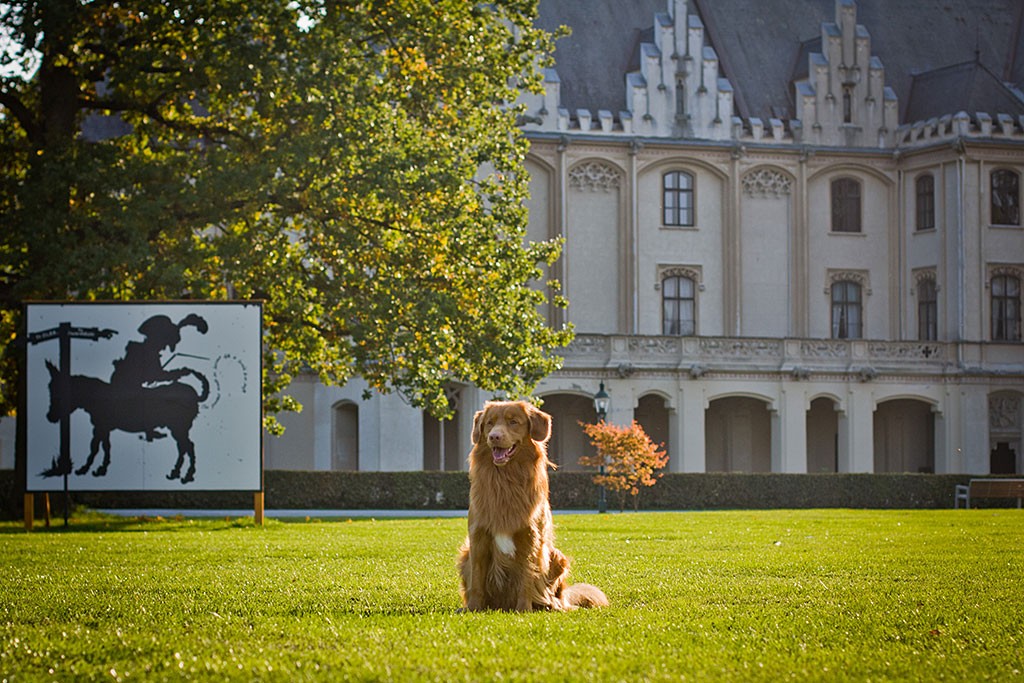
[568, 442]
[651, 413]
[822, 436]
[1005, 418]
[904, 436]
[738, 434]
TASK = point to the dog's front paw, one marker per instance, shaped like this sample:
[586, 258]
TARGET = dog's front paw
[474, 603]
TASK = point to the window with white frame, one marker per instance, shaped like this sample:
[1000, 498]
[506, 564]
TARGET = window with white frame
[677, 199]
[1005, 293]
[678, 305]
[1005, 197]
[847, 310]
[925, 204]
[846, 205]
[927, 310]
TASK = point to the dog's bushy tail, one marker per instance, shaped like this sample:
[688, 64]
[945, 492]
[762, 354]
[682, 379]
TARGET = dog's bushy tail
[585, 595]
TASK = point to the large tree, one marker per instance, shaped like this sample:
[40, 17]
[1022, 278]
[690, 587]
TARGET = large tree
[354, 164]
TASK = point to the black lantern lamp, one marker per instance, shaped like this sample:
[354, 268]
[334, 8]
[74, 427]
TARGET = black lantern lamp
[602, 401]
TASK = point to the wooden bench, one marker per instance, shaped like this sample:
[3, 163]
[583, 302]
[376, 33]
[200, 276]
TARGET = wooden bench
[989, 488]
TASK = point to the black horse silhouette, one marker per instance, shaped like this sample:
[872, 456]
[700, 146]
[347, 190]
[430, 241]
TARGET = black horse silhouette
[173, 406]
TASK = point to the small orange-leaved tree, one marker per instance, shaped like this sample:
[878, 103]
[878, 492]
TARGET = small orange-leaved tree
[630, 459]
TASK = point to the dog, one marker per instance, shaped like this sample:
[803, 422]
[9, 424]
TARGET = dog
[509, 560]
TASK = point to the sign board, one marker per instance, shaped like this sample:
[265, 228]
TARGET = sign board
[144, 396]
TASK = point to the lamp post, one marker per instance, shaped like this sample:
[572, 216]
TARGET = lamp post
[601, 402]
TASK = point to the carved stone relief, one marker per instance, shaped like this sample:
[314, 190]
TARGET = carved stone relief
[767, 183]
[594, 176]
[1004, 412]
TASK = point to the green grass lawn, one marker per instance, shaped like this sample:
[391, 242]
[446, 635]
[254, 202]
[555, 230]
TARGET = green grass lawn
[707, 596]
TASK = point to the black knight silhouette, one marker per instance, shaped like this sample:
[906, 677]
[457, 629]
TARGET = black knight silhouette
[141, 397]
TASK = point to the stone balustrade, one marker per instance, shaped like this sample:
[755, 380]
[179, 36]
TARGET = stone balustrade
[798, 359]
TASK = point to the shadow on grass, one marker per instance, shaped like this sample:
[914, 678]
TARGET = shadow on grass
[84, 520]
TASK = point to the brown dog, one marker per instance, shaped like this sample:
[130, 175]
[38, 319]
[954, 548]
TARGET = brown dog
[509, 561]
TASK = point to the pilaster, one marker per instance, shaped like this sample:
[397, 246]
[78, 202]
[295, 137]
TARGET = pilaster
[789, 432]
[856, 432]
[691, 421]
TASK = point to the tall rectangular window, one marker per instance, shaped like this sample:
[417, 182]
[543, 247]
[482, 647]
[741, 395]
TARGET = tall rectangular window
[677, 301]
[845, 205]
[1005, 308]
[846, 310]
[677, 198]
[927, 311]
[925, 202]
[1005, 197]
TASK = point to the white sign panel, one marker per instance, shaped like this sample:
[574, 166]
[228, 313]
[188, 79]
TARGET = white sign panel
[144, 396]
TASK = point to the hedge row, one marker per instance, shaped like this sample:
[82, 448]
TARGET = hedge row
[569, 490]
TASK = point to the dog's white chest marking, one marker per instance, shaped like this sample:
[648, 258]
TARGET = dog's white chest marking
[505, 544]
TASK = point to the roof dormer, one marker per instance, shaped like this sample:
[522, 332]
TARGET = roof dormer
[844, 100]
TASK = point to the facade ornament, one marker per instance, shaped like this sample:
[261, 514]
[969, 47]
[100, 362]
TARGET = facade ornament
[588, 344]
[858, 276]
[1004, 412]
[800, 373]
[923, 275]
[1004, 269]
[595, 176]
[767, 183]
[690, 272]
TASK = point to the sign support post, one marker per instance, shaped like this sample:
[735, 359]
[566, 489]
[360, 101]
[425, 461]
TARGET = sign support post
[64, 333]
[30, 511]
[257, 516]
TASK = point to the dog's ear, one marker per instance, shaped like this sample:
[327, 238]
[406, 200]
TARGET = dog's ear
[540, 424]
[478, 425]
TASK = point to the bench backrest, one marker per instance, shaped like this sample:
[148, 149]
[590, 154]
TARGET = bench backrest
[997, 488]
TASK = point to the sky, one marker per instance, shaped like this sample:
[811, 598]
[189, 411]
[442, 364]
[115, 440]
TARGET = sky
[9, 50]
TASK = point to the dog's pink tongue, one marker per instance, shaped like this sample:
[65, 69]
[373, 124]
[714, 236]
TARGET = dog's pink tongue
[501, 455]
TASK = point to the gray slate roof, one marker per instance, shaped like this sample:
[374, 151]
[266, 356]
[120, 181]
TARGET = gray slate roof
[763, 44]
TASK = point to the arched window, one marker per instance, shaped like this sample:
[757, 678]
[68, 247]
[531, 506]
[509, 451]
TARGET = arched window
[678, 306]
[677, 198]
[1005, 308]
[847, 312]
[925, 186]
[845, 205]
[1005, 197]
[927, 310]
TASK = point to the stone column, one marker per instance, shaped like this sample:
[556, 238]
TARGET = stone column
[856, 432]
[789, 433]
[691, 416]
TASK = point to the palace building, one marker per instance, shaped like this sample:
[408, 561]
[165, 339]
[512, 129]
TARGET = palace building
[793, 242]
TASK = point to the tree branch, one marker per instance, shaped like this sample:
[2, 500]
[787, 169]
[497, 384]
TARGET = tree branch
[23, 115]
[152, 110]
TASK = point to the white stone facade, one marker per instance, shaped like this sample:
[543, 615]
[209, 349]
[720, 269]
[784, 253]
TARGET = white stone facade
[807, 342]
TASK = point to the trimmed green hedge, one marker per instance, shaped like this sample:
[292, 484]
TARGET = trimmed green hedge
[569, 490]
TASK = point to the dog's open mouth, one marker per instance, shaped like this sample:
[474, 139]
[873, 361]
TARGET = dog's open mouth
[502, 455]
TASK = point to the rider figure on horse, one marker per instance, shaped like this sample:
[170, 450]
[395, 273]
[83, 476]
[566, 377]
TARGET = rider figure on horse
[141, 365]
